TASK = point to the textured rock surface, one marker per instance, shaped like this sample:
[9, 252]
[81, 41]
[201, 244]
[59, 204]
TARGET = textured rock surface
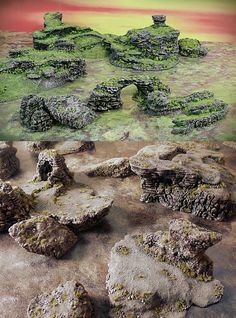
[191, 48]
[69, 300]
[184, 180]
[69, 111]
[140, 285]
[115, 167]
[43, 235]
[33, 114]
[9, 163]
[36, 147]
[79, 208]
[51, 167]
[15, 205]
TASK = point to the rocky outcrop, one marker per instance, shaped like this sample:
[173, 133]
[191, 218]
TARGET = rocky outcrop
[107, 95]
[69, 111]
[183, 180]
[191, 48]
[115, 167]
[36, 147]
[43, 235]
[39, 114]
[51, 167]
[33, 114]
[9, 163]
[69, 299]
[15, 205]
[147, 274]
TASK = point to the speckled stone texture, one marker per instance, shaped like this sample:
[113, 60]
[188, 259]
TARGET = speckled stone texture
[115, 167]
[15, 205]
[35, 147]
[43, 235]
[141, 285]
[9, 163]
[51, 167]
[187, 180]
[68, 300]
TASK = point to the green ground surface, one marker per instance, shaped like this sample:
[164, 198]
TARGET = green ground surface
[215, 72]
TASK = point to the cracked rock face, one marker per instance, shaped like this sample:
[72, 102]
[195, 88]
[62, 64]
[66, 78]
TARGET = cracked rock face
[9, 163]
[115, 167]
[140, 285]
[69, 300]
[51, 167]
[15, 205]
[43, 235]
[184, 180]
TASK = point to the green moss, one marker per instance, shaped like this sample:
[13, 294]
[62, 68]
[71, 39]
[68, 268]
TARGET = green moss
[123, 250]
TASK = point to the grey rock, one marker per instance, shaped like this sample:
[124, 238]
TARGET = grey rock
[9, 163]
[43, 235]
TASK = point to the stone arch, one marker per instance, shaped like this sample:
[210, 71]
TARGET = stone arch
[107, 95]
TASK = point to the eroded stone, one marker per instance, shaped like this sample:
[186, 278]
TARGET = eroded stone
[9, 163]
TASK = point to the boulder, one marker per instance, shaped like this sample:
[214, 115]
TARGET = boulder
[141, 282]
[68, 300]
[9, 163]
[191, 48]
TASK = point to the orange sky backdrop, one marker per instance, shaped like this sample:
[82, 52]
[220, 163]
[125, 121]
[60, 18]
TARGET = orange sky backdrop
[212, 20]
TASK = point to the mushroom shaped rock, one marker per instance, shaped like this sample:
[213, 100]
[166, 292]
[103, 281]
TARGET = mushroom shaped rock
[43, 235]
[141, 285]
[186, 180]
[15, 205]
[69, 300]
[9, 163]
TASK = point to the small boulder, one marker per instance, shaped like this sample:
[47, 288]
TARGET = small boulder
[9, 163]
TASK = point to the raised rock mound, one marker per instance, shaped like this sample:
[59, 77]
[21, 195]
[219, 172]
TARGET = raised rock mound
[68, 300]
[115, 167]
[191, 48]
[15, 205]
[9, 163]
[184, 180]
[69, 111]
[144, 280]
[43, 235]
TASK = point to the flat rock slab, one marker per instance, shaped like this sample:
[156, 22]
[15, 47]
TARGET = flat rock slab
[141, 286]
[43, 235]
[115, 167]
[68, 300]
[78, 207]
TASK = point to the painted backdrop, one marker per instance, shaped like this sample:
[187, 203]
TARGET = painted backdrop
[213, 20]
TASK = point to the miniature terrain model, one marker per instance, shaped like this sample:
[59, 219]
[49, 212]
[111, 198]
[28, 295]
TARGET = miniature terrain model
[15, 205]
[9, 163]
[162, 274]
[183, 180]
[67, 300]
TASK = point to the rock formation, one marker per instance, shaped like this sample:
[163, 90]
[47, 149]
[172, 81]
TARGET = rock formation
[162, 274]
[183, 180]
[36, 147]
[51, 167]
[115, 167]
[43, 235]
[67, 300]
[191, 48]
[9, 163]
[69, 111]
[15, 205]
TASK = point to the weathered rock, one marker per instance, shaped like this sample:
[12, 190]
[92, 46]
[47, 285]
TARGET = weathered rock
[79, 207]
[115, 167]
[9, 163]
[141, 285]
[15, 205]
[191, 48]
[43, 235]
[69, 111]
[68, 300]
[184, 180]
[51, 167]
[33, 114]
